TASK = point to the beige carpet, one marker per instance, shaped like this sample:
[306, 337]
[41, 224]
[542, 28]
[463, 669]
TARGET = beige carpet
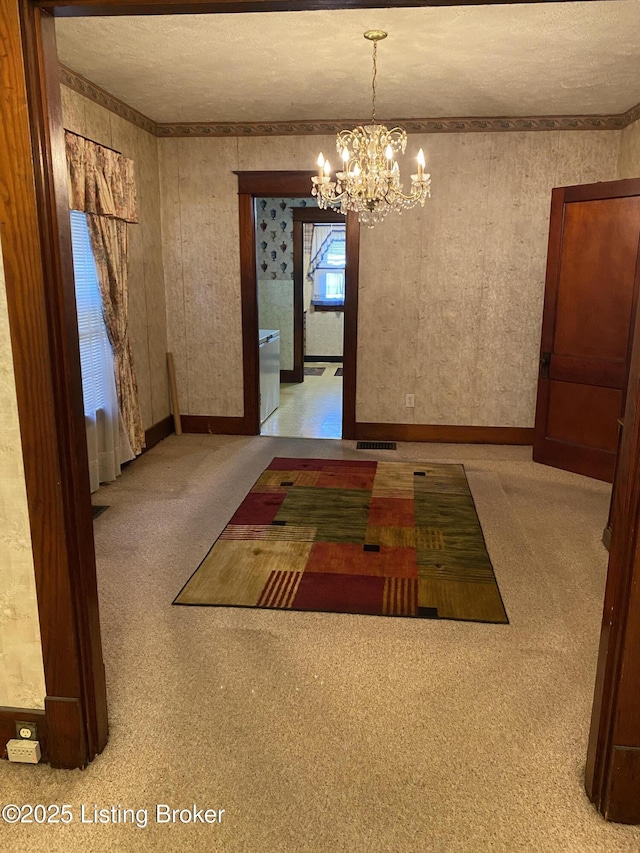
[329, 732]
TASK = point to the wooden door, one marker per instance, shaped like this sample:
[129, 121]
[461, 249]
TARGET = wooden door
[590, 302]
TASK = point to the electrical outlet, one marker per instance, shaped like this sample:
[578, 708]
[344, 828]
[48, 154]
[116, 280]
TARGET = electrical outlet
[26, 730]
[24, 751]
[410, 401]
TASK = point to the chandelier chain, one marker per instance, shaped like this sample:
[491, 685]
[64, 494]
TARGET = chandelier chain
[373, 80]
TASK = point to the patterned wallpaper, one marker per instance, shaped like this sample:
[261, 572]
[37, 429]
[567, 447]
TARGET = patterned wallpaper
[274, 236]
[21, 668]
[274, 247]
[629, 152]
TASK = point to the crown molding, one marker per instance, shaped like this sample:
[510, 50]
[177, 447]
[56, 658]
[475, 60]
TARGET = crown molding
[499, 124]
[422, 125]
[100, 96]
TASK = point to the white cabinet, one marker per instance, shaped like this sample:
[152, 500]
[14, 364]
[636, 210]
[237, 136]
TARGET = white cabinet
[269, 351]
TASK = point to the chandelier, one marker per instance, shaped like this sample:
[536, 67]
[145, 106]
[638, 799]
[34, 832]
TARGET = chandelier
[369, 183]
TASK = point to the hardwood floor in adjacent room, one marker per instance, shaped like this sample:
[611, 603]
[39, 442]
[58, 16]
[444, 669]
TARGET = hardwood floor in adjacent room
[309, 409]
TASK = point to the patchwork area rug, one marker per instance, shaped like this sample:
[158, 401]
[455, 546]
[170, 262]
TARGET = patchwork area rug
[384, 538]
[314, 371]
[339, 372]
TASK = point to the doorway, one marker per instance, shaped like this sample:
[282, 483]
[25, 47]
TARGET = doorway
[278, 186]
[301, 257]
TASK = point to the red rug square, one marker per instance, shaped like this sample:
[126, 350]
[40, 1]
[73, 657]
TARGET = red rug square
[339, 593]
[348, 558]
[346, 479]
[391, 512]
[259, 508]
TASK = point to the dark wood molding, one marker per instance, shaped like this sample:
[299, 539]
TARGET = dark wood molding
[350, 327]
[316, 214]
[297, 373]
[158, 432]
[288, 184]
[80, 574]
[86, 8]
[291, 375]
[443, 433]
[41, 305]
[612, 777]
[337, 359]
[601, 190]
[249, 300]
[216, 425]
[336, 309]
[10, 716]
[303, 215]
[67, 750]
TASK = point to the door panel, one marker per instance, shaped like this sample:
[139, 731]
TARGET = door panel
[595, 289]
[590, 303]
[584, 415]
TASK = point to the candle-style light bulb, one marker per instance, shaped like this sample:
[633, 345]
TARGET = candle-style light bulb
[421, 162]
[320, 162]
[388, 152]
[345, 160]
[327, 168]
[356, 170]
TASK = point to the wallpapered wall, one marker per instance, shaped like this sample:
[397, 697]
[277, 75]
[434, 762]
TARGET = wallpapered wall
[147, 310]
[21, 667]
[512, 205]
[629, 152]
[450, 295]
[274, 238]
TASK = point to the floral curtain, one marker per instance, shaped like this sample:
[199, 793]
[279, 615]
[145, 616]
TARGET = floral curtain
[101, 181]
[101, 184]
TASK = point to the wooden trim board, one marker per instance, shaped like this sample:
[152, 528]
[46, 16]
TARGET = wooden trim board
[443, 433]
[216, 425]
[158, 432]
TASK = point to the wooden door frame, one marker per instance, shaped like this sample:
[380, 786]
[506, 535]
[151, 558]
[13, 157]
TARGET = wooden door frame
[302, 215]
[290, 184]
[38, 280]
[612, 775]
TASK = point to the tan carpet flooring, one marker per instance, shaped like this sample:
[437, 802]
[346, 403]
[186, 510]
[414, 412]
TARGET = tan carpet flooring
[329, 732]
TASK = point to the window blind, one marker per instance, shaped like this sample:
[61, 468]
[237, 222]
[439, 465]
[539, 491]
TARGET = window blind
[95, 349]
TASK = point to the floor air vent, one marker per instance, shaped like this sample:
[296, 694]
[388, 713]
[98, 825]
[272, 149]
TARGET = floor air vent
[376, 445]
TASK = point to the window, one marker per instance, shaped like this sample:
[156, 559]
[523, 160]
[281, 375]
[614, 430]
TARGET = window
[96, 357]
[107, 445]
[328, 267]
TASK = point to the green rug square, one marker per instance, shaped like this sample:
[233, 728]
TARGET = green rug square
[340, 515]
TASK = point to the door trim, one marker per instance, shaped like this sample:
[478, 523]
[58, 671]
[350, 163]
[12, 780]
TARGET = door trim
[300, 216]
[289, 184]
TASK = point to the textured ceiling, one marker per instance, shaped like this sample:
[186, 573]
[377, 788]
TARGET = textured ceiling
[537, 59]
